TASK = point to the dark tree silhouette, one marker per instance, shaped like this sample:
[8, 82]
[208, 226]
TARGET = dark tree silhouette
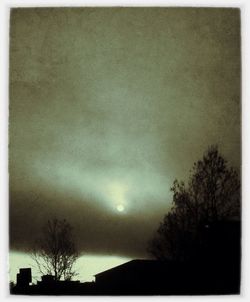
[55, 252]
[211, 196]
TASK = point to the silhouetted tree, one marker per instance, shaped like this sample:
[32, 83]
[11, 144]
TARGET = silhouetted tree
[55, 252]
[212, 195]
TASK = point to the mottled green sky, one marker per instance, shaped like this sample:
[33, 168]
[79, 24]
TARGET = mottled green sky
[107, 107]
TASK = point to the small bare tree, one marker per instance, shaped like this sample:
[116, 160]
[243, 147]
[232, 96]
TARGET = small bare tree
[55, 252]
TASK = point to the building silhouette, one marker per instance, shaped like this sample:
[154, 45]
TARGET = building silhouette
[24, 277]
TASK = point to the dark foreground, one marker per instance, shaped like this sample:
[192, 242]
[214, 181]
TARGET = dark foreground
[147, 277]
[216, 271]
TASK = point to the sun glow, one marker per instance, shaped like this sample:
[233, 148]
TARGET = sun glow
[120, 208]
[117, 194]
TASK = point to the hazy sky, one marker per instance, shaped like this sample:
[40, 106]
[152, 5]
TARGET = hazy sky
[107, 108]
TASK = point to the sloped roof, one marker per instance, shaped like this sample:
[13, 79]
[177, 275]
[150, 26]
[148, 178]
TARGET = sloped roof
[137, 264]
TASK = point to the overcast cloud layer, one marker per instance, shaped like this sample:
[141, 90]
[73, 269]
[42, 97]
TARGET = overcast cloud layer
[109, 106]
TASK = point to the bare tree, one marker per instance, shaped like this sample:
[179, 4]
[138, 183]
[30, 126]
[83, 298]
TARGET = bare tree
[55, 252]
[211, 196]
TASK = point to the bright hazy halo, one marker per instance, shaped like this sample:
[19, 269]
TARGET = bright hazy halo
[117, 193]
[120, 208]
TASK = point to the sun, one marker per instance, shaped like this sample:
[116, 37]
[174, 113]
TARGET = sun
[117, 195]
[120, 208]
